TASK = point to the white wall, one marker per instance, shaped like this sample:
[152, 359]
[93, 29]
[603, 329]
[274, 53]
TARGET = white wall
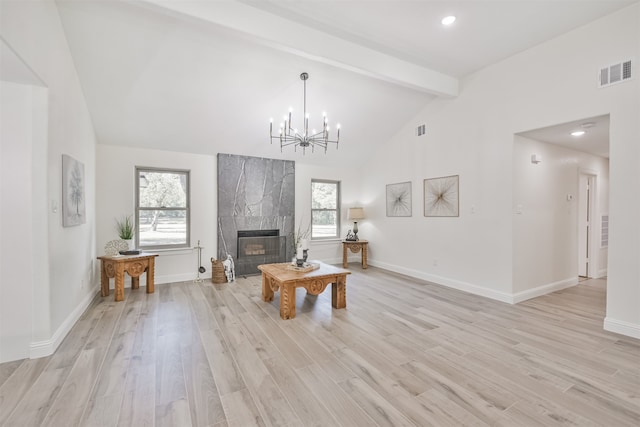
[545, 225]
[329, 251]
[115, 187]
[32, 29]
[22, 191]
[472, 135]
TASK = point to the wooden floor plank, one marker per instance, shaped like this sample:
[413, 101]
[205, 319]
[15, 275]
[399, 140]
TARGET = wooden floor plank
[16, 386]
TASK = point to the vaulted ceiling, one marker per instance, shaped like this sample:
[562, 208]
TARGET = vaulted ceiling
[206, 76]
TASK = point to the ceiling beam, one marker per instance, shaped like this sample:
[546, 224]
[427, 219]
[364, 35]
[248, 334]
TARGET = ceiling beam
[298, 39]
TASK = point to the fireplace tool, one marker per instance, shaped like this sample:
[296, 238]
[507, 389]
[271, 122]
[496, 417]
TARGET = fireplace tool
[201, 268]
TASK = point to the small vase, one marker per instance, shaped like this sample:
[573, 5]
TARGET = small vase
[130, 245]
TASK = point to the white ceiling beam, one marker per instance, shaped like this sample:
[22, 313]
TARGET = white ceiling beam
[292, 37]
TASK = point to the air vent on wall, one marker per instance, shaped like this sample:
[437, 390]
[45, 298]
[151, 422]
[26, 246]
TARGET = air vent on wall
[615, 73]
[421, 130]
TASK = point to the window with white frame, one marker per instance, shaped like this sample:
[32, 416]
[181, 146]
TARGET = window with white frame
[325, 209]
[162, 208]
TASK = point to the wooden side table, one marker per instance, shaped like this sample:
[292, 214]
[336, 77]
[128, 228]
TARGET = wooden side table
[355, 247]
[135, 265]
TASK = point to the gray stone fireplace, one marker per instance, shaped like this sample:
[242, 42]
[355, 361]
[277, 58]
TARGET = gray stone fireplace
[255, 211]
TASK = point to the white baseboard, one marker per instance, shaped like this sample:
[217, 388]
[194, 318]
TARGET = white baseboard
[335, 261]
[161, 280]
[544, 289]
[173, 278]
[601, 273]
[45, 348]
[445, 281]
[621, 327]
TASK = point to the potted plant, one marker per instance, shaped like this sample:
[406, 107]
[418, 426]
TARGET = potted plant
[125, 230]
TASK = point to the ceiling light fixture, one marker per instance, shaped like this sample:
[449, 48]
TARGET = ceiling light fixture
[448, 20]
[305, 139]
[578, 133]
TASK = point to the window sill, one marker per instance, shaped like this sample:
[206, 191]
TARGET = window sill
[324, 242]
[172, 251]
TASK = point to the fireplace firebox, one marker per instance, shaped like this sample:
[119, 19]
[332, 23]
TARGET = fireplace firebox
[257, 247]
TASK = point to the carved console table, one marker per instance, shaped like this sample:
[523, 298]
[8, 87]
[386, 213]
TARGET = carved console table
[355, 247]
[135, 265]
[277, 277]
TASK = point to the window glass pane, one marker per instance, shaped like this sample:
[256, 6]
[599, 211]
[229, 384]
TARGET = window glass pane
[166, 227]
[324, 195]
[324, 224]
[162, 189]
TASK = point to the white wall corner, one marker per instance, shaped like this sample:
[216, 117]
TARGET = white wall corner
[601, 273]
[46, 348]
[445, 281]
[544, 289]
[621, 327]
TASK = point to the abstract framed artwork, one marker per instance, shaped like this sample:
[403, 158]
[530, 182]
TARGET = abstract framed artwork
[73, 192]
[399, 199]
[441, 196]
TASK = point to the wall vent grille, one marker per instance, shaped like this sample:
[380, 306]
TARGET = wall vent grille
[421, 130]
[615, 73]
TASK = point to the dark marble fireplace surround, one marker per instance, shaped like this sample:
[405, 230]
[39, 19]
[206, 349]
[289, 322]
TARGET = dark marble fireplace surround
[255, 194]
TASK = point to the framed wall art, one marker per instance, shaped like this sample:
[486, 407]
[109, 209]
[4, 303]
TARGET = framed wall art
[441, 196]
[73, 192]
[399, 199]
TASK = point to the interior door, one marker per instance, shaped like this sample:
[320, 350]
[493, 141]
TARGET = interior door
[584, 224]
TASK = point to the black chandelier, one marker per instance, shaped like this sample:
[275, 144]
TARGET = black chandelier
[289, 135]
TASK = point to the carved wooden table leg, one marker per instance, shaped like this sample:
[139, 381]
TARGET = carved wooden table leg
[364, 256]
[339, 293]
[344, 256]
[135, 282]
[151, 275]
[104, 280]
[287, 301]
[267, 292]
[119, 282]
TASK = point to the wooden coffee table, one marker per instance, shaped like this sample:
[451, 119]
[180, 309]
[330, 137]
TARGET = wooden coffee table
[277, 277]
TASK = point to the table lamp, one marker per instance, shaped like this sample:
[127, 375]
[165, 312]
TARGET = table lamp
[355, 214]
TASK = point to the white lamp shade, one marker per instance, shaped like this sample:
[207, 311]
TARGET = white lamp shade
[356, 213]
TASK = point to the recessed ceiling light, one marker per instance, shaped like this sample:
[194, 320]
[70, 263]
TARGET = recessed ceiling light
[448, 20]
[578, 133]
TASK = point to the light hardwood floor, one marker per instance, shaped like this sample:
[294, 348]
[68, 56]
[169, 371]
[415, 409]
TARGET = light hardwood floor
[402, 353]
